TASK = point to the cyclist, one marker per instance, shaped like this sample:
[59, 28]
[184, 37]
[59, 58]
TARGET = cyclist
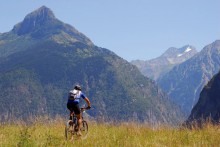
[73, 104]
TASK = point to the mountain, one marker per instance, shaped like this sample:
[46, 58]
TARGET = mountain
[157, 67]
[42, 58]
[208, 105]
[186, 80]
[36, 27]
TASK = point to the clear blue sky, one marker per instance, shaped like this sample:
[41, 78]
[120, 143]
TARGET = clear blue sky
[133, 29]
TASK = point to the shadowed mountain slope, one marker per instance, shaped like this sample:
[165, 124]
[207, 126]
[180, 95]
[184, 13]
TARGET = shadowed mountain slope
[208, 106]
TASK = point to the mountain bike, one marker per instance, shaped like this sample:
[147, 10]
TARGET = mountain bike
[71, 128]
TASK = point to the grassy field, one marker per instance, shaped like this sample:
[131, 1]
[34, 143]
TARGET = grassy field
[41, 133]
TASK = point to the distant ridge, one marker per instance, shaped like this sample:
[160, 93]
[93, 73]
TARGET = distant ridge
[157, 67]
[186, 80]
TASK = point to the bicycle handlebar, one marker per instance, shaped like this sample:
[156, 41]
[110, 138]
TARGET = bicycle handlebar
[85, 108]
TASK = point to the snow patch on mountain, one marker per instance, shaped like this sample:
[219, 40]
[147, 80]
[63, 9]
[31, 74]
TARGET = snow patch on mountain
[179, 55]
[173, 56]
[187, 50]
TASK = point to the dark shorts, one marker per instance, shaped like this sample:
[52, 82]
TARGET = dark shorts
[73, 108]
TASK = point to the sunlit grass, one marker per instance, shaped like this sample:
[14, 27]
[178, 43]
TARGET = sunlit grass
[40, 133]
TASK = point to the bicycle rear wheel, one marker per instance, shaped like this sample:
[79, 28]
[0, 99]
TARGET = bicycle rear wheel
[69, 130]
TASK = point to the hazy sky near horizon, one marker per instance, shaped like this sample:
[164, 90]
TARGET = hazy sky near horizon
[133, 29]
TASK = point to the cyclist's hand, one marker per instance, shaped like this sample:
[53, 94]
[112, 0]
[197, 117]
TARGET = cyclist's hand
[88, 107]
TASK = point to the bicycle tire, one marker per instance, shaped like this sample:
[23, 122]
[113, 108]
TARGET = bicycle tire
[84, 129]
[68, 132]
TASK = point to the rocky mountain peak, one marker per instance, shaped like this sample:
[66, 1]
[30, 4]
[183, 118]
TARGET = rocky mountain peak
[156, 67]
[214, 47]
[40, 15]
[42, 24]
[179, 55]
[178, 52]
[33, 20]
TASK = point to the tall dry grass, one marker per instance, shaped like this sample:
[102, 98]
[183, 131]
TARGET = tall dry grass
[45, 132]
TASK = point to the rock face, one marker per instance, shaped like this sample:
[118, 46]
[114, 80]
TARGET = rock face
[34, 20]
[42, 58]
[186, 80]
[208, 106]
[43, 24]
[157, 67]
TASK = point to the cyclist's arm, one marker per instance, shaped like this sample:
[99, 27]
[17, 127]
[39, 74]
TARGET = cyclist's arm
[88, 102]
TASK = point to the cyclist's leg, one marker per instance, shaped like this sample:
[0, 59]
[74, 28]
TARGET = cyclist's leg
[70, 106]
[71, 115]
[79, 118]
[78, 115]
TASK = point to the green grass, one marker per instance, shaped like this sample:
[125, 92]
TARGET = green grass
[41, 133]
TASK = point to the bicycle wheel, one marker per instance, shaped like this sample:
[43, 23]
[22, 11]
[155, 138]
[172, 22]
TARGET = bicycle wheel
[69, 130]
[84, 129]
